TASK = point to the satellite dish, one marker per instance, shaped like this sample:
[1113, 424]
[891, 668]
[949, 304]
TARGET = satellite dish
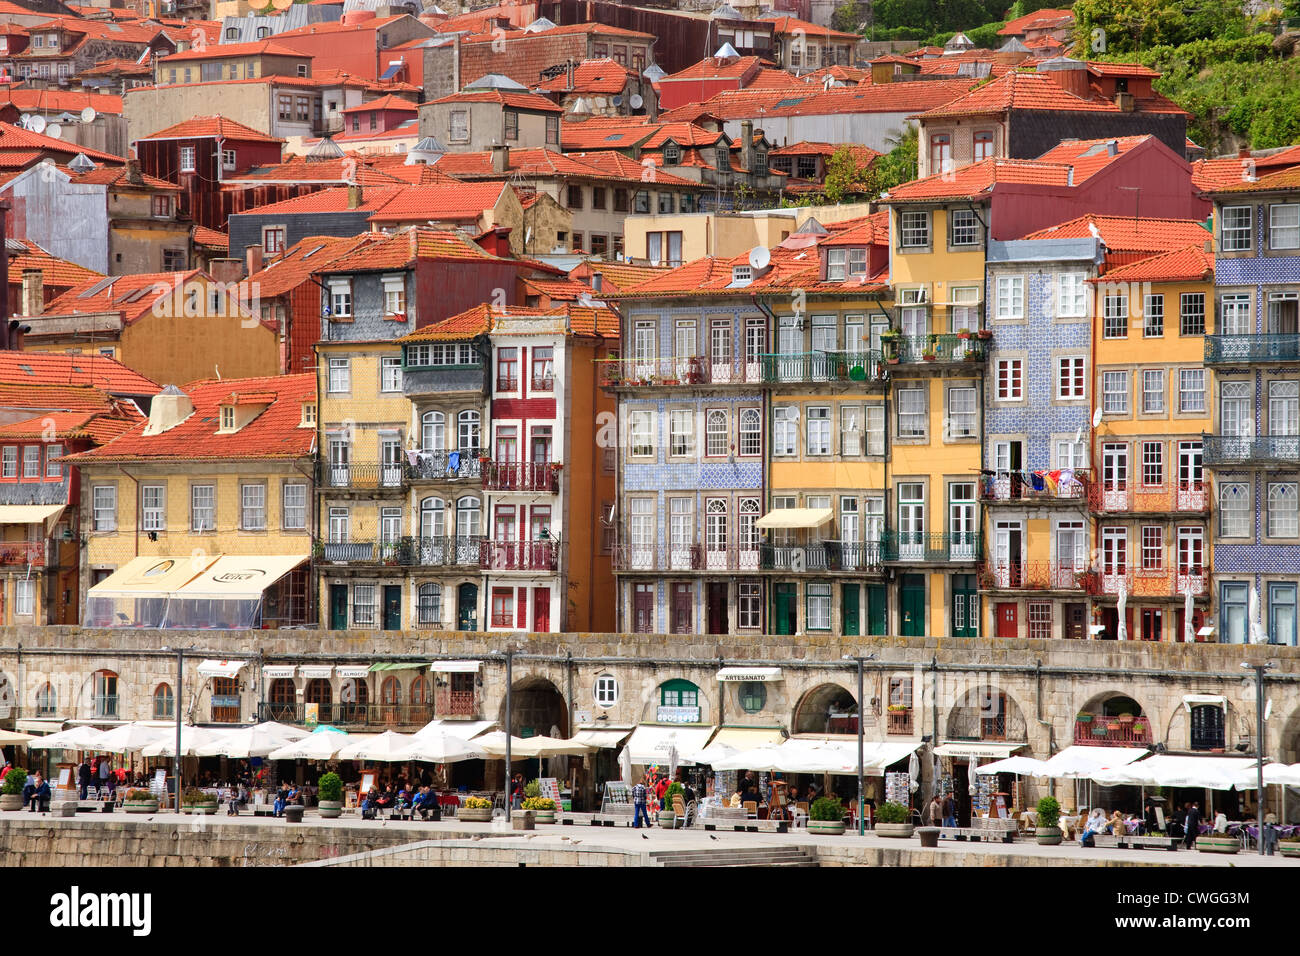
[36, 124]
[54, 131]
[88, 114]
[1096, 418]
[759, 257]
[617, 101]
[635, 101]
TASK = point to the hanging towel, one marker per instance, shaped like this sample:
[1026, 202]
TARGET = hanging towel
[1037, 482]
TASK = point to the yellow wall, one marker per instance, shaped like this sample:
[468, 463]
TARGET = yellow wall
[726, 235]
[937, 270]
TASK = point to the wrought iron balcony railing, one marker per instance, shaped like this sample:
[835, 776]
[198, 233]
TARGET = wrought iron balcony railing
[1227, 349]
[930, 547]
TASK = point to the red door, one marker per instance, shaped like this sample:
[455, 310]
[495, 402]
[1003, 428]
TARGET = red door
[1008, 624]
[681, 609]
[643, 608]
[541, 610]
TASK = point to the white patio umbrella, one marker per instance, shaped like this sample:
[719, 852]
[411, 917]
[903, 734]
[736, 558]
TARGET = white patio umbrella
[130, 737]
[1020, 766]
[10, 737]
[191, 739]
[672, 762]
[625, 765]
[442, 748]
[388, 747]
[285, 732]
[763, 759]
[1189, 635]
[1120, 605]
[712, 753]
[324, 745]
[524, 748]
[256, 741]
[74, 738]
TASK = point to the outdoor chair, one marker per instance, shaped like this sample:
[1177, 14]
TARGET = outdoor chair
[751, 808]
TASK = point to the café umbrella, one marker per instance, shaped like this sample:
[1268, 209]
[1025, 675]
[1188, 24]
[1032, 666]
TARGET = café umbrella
[442, 748]
[130, 737]
[74, 738]
[10, 737]
[256, 741]
[192, 738]
[388, 747]
[524, 748]
[321, 745]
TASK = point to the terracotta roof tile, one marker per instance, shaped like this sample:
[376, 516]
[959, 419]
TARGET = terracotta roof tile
[84, 374]
[870, 230]
[1091, 156]
[1189, 264]
[446, 203]
[512, 98]
[978, 179]
[879, 98]
[1018, 26]
[1286, 179]
[65, 426]
[386, 102]
[131, 295]
[56, 273]
[304, 257]
[116, 176]
[223, 50]
[713, 68]
[212, 238]
[616, 276]
[16, 138]
[1127, 234]
[712, 276]
[329, 200]
[212, 127]
[1019, 90]
[601, 76]
[395, 251]
[72, 101]
[483, 319]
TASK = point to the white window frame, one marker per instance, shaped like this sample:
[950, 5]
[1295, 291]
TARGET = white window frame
[1071, 295]
[1010, 297]
[104, 507]
[197, 508]
[339, 380]
[1235, 228]
[1071, 377]
[153, 517]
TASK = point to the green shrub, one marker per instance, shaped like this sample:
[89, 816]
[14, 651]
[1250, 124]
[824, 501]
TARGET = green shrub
[195, 795]
[477, 803]
[672, 791]
[532, 789]
[330, 787]
[14, 781]
[136, 795]
[539, 803]
[1049, 812]
[826, 808]
[893, 813]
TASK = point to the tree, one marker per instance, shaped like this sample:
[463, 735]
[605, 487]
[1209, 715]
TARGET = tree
[847, 17]
[846, 176]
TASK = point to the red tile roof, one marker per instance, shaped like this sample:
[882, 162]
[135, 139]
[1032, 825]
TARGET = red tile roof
[870, 230]
[88, 372]
[386, 170]
[441, 203]
[223, 50]
[601, 76]
[65, 426]
[203, 236]
[619, 168]
[276, 433]
[16, 138]
[1188, 264]
[512, 98]
[400, 249]
[712, 276]
[546, 164]
[772, 79]
[978, 179]
[814, 31]
[1018, 26]
[56, 273]
[116, 177]
[878, 98]
[1019, 90]
[483, 319]
[388, 102]
[338, 26]
[1285, 180]
[464, 325]
[714, 68]
[1106, 68]
[808, 148]
[1091, 156]
[212, 127]
[615, 276]
[72, 101]
[304, 257]
[1127, 234]
[131, 295]
[565, 30]
[329, 200]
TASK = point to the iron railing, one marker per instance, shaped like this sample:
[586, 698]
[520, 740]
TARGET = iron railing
[799, 367]
[22, 553]
[1113, 732]
[672, 370]
[443, 465]
[519, 556]
[822, 556]
[686, 557]
[362, 476]
[1023, 486]
[1185, 496]
[1221, 349]
[520, 476]
[1226, 449]
[1031, 576]
[337, 713]
[1149, 582]
[934, 347]
[404, 551]
[931, 547]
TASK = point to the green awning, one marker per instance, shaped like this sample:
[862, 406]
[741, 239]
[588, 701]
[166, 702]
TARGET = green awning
[398, 666]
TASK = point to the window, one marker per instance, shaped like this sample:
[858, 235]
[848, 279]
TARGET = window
[273, 240]
[752, 695]
[1284, 226]
[819, 431]
[458, 126]
[252, 499]
[203, 507]
[940, 153]
[1153, 464]
[1010, 380]
[1115, 316]
[433, 432]
[294, 506]
[1153, 316]
[10, 467]
[915, 229]
[1284, 408]
[31, 461]
[1234, 232]
[173, 260]
[152, 508]
[1040, 620]
[507, 370]
[228, 159]
[47, 701]
[187, 159]
[543, 368]
[363, 605]
[1114, 393]
[340, 298]
[1071, 454]
[963, 228]
[606, 690]
[1071, 298]
[1192, 313]
[1282, 513]
[52, 467]
[162, 206]
[394, 295]
[512, 126]
[749, 604]
[1234, 410]
[983, 145]
[163, 702]
[428, 605]
[1153, 391]
[911, 413]
[1069, 378]
[620, 200]
[679, 693]
[552, 131]
[104, 506]
[1234, 314]
[681, 432]
[24, 596]
[227, 418]
[819, 607]
[836, 264]
[1010, 297]
[390, 373]
[715, 432]
[665, 204]
[785, 428]
[340, 375]
[1191, 390]
[640, 427]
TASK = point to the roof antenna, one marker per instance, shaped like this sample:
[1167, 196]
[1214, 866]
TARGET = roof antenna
[217, 369]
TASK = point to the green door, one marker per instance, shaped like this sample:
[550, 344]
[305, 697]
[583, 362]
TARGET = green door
[467, 607]
[849, 609]
[965, 606]
[785, 609]
[338, 607]
[912, 605]
[392, 607]
[877, 621]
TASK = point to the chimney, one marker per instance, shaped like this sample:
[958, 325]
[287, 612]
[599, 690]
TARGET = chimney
[354, 195]
[597, 280]
[33, 291]
[455, 63]
[1125, 102]
[133, 172]
[1070, 75]
[253, 255]
[500, 158]
[1112, 147]
[168, 409]
[747, 144]
[1243, 153]
[570, 86]
[227, 271]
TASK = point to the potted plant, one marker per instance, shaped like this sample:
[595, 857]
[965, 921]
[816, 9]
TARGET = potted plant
[475, 810]
[1049, 815]
[543, 809]
[11, 789]
[329, 795]
[984, 334]
[929, 355]
[1139, 726]
[194, 800]
[963, 333]
[971, 355]
[1217, 843]
[826, 816]
[668, 816]
[1126, 719]
[1083, 717]
[894, 820]
[1113, 724]
[140, 801]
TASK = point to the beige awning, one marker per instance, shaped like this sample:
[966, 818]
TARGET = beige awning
[795, 518]
[153, 576]
[602, 737]
[747, 738]
[998, 751]
[30, 514]
[240, 576]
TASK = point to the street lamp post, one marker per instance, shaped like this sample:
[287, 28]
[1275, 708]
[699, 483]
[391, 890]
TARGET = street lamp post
[510, 653]
[176, 709]
[1259, 670]
[862, 801]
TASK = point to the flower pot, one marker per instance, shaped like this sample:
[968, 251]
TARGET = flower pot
[330, 809]
[899, 831]
[1289, 849]
[1084, 718]
[1218, 843]
[826, 827]
[929, 836]
[667, 819]
[475, 814]
[1048, 836]
[293, 813]
[11, 801]
[1113, 726]
[207, 806]
[544, 816]
[1126, 720]
[140, 806]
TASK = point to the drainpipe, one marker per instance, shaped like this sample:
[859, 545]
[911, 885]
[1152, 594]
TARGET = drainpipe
[568, 688]
[19, 693]
[618, 475]
[137, 507]
[934, 698]
[766, 412]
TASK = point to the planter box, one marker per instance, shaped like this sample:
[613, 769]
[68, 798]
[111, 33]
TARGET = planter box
[1048, 836]
[330, 809]
[293, 813]
[199, 807]
[475, 814]
[11, 801]
[1289, 849]
[899, 831]
[826, 827]
[140, 806]
[929, 836]
[523, 820]
[544, 816]
[1218, 844]
[667, 820]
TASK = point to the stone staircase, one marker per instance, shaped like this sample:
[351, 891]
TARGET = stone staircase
[787, 856]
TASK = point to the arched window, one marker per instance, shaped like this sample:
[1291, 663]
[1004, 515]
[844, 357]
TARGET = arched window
[432, 518]
[753, 696]
[679, 693]
[105, 683]
[47, 701]
[421, 693]
[1282, 522]
[746, 529]
[319, 692]
[751, 432]
[390, 692]
[715, 512]
[163, 702]
[429, 605]
[282, 699]
[715, 433]
[467, 432]
[433, 432]
[467, 517]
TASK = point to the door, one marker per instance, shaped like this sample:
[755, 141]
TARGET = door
[1008, 619]
[720, 350]
[643, 608]
[1008, 546]
[1007, 462]
[914, 323]
[392, 607]
[717, 607]
[849, 610]
[961, 521]
[785, 609]
[877, 618]
[391, 457]
[467, 607]
[680, 608]
[1233, 598]
[338, 607]
[912, 605]
[1076, 616]
[541, 610]
[1114, 477]
[965, 606]
[340, 457]
[911, 521]
[1153, 624]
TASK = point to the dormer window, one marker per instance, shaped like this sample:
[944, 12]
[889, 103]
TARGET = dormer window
[858, 261]
[741, 275]
[263, 32]
[672, 153]
[232, 33]
[836, 260]
[308, 415]
[227, 418]
[724, 158]
[760, 163]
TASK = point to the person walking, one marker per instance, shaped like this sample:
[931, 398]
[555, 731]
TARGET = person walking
[640, 793]
[83, 776]
[1193, 828]
[934, 813]
[949, 811]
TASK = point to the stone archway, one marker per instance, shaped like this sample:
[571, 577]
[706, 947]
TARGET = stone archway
[1113, 719]
[986, 713]
[536, 706]
[826, 709]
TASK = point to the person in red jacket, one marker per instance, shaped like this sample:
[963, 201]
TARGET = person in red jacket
[661, 786]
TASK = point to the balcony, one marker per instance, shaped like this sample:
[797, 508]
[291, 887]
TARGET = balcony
[1113, 732]
[391, 716]
[939, 348]
[1150, 582]
[405, 552]
[443, 465]
[518, 556]
[22, 553]
[105, 706]
[1230, 349]
[821, 556]
[1031, 576]
[456, 703]
[521, 476]
[985, 723]
[1169, 498]
[356, 477]
[1015, 486]
[930, 548]
[691, 557]
[811, 367]
[1262, 449]
[898, 721]
[675, 371]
